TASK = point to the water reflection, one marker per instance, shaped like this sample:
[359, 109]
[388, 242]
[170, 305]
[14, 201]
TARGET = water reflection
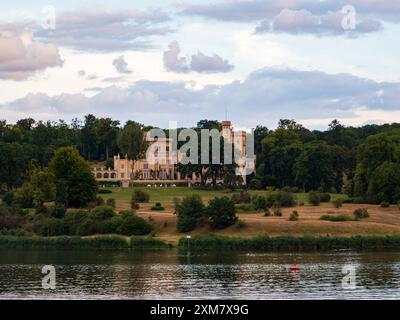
[167, 274]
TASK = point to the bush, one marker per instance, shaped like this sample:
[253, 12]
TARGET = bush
[8, 198]
[244, 197]
[58, 210]
[132, 225]
[110, 202]
[398, 205]
[255, 184]
[141, 196]
[189, 210]
[102, 213]
[314, 198]
[337, 203]
[294, 216]
[244, 207]
[134, 202]
[335, 218]
[385, 204]
[278, 212]
[361, 213]
[99, 201]
[11, 218]
[104, 191]
[325, 197]
[286, 199]
[24, 196]
[157, 207]
[50, 227]
[186, 224]
[221, 212]
[267, 213]
[259, 203]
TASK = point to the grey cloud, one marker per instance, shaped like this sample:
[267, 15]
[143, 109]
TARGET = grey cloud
[208, 64]
[199, 62]
[172, 61]
[305, 22]
[99, 30]
[264, 97]
[121, 65]
[309, 16]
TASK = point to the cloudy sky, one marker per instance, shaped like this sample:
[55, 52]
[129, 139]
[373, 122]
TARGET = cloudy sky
[157, 61]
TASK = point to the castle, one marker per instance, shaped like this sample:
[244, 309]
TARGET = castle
[163, 167]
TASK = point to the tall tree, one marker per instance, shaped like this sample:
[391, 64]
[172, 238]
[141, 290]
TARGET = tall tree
[131, 141]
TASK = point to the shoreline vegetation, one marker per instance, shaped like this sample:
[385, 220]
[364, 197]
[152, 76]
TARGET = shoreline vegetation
[206, 243]
[73, 242]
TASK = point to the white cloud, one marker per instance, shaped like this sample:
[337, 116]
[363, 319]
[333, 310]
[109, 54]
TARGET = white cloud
[21, 56]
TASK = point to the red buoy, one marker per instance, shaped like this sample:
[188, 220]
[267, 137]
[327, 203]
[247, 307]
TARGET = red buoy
[295, 267]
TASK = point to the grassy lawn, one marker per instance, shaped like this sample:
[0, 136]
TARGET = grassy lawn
[382, 221]
[166, 195]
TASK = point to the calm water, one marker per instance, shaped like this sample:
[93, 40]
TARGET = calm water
[83, 274]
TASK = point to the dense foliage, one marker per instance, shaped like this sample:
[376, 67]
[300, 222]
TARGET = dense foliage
[363, 161]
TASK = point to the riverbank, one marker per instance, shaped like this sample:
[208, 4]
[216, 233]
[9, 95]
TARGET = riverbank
[204, 243]
[95, 242]
[289, 243]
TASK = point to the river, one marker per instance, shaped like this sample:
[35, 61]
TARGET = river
[166, 274]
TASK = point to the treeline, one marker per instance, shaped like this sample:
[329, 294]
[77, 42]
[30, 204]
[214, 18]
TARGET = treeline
[360, 161]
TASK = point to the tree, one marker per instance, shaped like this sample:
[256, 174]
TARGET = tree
[13, 164]
[132, 142]
[89, 136]
[106, 131]
[44, 186]
[384, 184]
[79, 183]
[221, 212]
[189, 210]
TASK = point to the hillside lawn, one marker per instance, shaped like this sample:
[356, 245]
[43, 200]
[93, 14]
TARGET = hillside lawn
[382, 221]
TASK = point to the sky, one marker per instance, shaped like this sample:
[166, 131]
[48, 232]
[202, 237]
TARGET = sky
[156, 61]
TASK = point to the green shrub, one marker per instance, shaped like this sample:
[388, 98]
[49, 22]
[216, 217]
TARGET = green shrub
[157, 207]
[337, 203]
[314, 198]
[189, 210]
[110, 202]
[325, 197]
[132, 225]
[104, 191]
[58, 210]
[267, 213]
[190, 206]
[24, 196]
[50, 227]
[11, 218]
[186, 224]
[244, 207]
[141, 196]
[259, 203]
[286, 199]
[8, 198]
[221, 212]
[294, 216]
[361, 213]
[74, 219]
[385, 204]
[278, 212]
[102, 213]
[134, 202]
[335, 218]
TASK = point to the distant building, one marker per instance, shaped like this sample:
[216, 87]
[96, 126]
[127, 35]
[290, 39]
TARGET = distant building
[163, 167]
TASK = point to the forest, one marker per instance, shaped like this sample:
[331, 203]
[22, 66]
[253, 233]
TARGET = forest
[362, 162]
